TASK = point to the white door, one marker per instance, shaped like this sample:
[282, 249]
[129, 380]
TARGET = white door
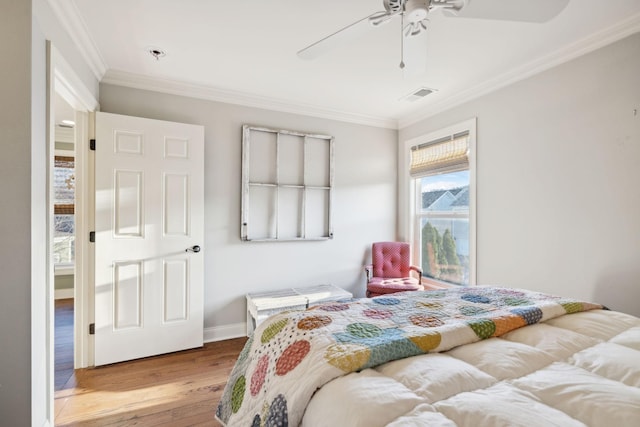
[149, 230]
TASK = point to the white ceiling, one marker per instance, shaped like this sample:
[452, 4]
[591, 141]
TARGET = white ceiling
[247, 49]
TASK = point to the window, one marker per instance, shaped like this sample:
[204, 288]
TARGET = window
[442, 171]
[63, 210]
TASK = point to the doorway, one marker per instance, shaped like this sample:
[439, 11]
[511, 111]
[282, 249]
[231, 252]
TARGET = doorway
[63, 81]
[70, 100]
[64, 236]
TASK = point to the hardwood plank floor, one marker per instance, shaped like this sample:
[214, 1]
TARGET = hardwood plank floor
[63, 342]
[178, 389]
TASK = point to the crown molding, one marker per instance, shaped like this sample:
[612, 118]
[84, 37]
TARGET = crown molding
[71, 20]
[588, 44]
[68, 84]
[193, 90]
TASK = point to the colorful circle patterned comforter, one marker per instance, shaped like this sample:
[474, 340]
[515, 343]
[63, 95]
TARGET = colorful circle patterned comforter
[293, 354]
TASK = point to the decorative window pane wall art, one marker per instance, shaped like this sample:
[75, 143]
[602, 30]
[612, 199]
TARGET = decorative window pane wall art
[287, 185]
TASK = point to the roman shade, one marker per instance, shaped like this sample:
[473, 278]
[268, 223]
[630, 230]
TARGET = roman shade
[448, 154]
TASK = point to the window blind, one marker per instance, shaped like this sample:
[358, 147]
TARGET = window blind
[449, 154]
[64, 209]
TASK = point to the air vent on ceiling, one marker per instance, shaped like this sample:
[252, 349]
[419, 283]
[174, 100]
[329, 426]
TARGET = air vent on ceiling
[418, 94]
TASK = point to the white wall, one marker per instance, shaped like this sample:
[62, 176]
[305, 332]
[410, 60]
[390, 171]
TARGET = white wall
[558, 174]
[25, 303]
[23, 310]
[15, 223]
[41, 302]
[364, 209]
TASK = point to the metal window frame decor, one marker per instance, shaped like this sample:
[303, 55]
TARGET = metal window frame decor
[276, 186]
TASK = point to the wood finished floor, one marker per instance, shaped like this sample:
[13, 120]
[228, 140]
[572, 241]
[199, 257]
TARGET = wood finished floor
[178, 389]
[63, 342]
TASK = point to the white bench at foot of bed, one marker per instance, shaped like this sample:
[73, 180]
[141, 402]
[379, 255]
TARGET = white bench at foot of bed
[261, 305]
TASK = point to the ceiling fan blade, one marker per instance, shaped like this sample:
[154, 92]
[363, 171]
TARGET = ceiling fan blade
[380, 18]
[511, 10]
[336, 39]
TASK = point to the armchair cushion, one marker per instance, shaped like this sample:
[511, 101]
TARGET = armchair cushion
[380, 286]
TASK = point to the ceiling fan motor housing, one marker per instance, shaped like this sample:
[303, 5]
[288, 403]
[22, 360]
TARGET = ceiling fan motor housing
[393, 6]
[416, 10]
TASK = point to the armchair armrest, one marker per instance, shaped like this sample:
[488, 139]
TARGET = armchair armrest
[368, 271]
[417, 270]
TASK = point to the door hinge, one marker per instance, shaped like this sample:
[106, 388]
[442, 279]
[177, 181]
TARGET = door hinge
[92, 144]
[92, 236]
[92, 328]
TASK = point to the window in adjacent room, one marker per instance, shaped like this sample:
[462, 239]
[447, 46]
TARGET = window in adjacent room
[64, 222]
[442, 171]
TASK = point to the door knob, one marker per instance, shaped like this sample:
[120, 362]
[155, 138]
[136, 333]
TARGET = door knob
[195, 248]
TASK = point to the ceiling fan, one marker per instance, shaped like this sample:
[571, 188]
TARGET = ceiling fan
[414, 15]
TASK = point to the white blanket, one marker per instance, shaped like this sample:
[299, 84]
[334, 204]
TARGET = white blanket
[575, 370]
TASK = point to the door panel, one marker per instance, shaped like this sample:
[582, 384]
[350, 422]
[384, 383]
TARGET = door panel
[127, 295]
[176, 205]
[149, 210]
[129, 201]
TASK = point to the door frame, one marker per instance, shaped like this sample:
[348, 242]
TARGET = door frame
[62, 79]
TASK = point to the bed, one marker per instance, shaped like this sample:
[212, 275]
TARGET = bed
[478, 356]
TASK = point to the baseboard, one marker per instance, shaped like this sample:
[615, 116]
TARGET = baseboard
[227, 332]
[63, 293]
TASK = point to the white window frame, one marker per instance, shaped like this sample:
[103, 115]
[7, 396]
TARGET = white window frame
[65, 268]
[407, 197]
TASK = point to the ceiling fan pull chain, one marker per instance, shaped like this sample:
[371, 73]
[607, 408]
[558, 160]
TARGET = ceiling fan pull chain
[402, 40]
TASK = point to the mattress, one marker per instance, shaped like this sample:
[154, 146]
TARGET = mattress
[467, 357]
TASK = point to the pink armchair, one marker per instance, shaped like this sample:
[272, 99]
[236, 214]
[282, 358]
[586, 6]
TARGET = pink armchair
[390, 270]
